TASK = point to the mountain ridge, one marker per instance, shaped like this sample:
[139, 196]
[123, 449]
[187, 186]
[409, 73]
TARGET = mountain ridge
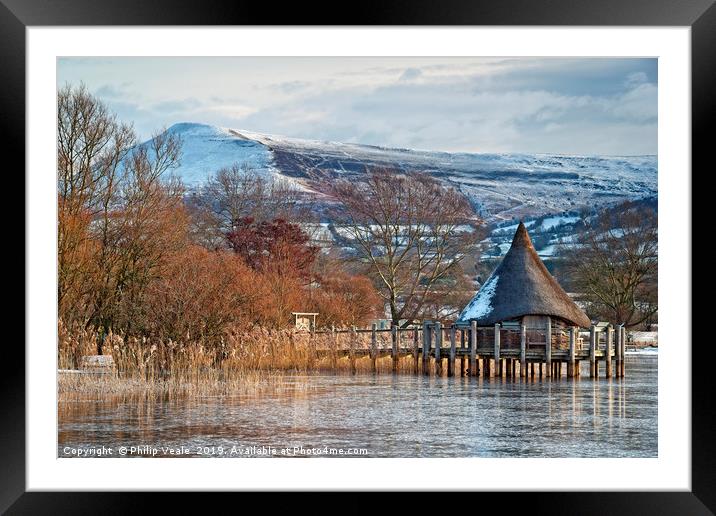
[502, 186]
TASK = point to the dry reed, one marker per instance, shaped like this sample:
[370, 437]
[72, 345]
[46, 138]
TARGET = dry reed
[242, 361]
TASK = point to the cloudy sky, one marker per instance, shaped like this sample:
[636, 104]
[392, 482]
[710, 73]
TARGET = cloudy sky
[533, 105]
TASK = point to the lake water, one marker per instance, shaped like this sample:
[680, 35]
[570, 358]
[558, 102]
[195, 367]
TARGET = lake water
[384, 416]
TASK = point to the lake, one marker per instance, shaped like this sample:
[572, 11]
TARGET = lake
[384, 415]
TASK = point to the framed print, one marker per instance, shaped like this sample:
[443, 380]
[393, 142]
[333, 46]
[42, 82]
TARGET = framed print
[421, 249]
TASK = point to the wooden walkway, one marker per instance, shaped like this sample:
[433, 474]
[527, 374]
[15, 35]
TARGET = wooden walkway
[464, 350]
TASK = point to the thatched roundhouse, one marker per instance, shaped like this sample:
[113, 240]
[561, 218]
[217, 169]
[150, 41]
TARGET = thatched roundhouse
[521, 289]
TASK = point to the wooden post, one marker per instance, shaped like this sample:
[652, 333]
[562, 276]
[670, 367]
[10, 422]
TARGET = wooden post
[416, 349]
[514, 368]
[572, 351]
[453, 344]
[438, 345]
[426, 347]
[624, 339]
[473, 349]
[374, 348]
[498, 362]
[351, 350]
[548, 347]
[463, 357]
[394, 352]
[592, 350]
[532, 369]
[523, 350]
[608, 352]
[618, 351]
[312, 353]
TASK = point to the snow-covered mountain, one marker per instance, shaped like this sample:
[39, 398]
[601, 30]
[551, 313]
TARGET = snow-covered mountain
[502, 186]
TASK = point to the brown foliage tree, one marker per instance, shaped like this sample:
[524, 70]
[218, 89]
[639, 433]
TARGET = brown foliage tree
[118, 216]
[199, 295]
[275, 244]
[345, 300]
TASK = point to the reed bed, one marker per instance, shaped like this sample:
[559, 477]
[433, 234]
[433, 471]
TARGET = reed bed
[240, 362]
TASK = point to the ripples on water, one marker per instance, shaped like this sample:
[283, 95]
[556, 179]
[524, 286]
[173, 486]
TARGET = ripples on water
[395, 416]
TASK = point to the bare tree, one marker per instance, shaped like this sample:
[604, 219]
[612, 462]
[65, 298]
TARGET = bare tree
[239, 192]
[117, 214]
[614, 264]
[409, 230]
[91, 145]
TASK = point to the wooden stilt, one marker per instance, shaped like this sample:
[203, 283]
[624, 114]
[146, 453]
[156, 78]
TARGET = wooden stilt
[453, 345]
[592, 350]
[540, 369]
[618, 351]
[427, 333]
[624, 339]
[416, 349]
[508, 367]
[463, 357]
[548, 346]
[395, 346]
[473, 349]
[514, 368]
[438, 345]
[572, 351]
[523, 351]
[532, 370]
[608, 353]
[486, 367]
[374, 348]
[498, 363]
[312, 353]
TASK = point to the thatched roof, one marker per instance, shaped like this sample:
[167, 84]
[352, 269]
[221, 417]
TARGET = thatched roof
[522, 285]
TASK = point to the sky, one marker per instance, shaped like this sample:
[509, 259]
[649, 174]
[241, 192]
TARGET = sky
[582, 106]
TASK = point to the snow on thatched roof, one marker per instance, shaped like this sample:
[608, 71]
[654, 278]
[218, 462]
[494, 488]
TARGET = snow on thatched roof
[522, 285]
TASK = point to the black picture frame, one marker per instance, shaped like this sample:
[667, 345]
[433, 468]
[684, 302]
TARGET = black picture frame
[700, 15]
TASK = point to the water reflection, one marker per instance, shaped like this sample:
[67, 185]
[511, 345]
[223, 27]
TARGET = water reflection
[395, 416]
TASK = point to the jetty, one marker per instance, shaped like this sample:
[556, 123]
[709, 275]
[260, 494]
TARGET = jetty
[472, 350]
[520, 323]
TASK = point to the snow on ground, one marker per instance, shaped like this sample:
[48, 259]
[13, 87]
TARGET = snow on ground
[547, 251]
[509, 230]
[553, 222]
[207, 149]
[504, 181]
[504, 187]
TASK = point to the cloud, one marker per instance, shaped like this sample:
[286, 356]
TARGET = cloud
[410, 74]
[571, 106]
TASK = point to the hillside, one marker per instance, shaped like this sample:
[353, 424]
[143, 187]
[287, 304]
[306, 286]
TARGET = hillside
[502, 187]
